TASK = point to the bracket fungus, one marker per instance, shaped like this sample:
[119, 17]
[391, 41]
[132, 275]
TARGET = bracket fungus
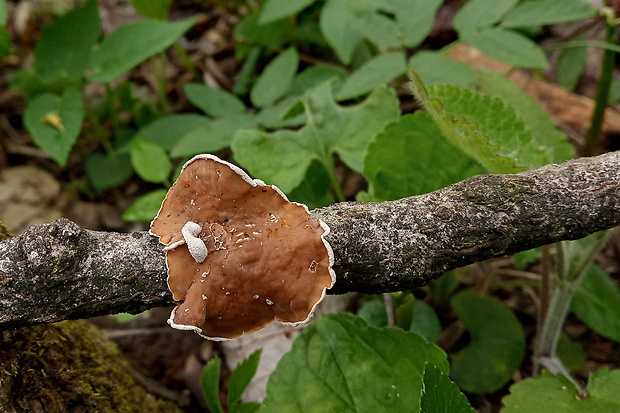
[239, 254]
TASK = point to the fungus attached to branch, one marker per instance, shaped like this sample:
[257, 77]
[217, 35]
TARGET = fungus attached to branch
[239, 254]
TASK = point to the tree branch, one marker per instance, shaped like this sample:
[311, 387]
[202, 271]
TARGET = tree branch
[59, 271]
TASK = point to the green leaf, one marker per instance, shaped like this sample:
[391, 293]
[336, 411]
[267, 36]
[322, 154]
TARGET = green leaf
[477, 14]
[436, 68]
[214, 102]
[241, 377]
[549, 393]
[495, 119]
[414, 18]
[570, 353]
[213, 136]
[55, 122]
[5, 41]
[545, 136]
[338, 26]
[314, 76]
[508, 47]
[279, 115]
[65, 46]
[273, 10]
[276, 79]
[544, 12]
[150, 161]
[167, 131]
[210, 383]
[330, 129]
[314, 189]
[153, 9]
[497, 344]
[146, 207]
[133, 43]
[108, 171]
[4, 15]
[374, 313]
[379, 70]
[248, 30]
[424, 321]
[597, 303]
[462, 133]
[524, 258]
[570, 65]
[440, 394]
[340, 364]
[411, 157]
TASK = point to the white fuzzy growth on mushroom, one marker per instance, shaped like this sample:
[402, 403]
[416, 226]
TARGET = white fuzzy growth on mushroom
[195, 245]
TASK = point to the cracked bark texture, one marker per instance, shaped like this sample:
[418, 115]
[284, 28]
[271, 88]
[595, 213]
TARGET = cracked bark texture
[59, 271]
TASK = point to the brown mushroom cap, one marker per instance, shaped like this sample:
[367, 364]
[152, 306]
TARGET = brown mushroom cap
[266, 258]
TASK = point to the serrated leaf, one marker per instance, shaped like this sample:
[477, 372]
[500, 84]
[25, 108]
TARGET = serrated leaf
[497, 343]
[167, 131]
[330, 129]
[436, 68]
[549, 393]
[133, 43]
[276, 79]
[544, 12]
[150, 161]
[481, 13]
[411, 157]
[146, 207]
[463, 134]
[241, 377]
[339, 363]
[379, 70]
[55, 122]
[570, 65]
[153, 9]
[273, 10]
[210, 384]
[214, 102]
[494, 119]
[213, 136]
[597, 303]
[108, 171]
[545, 136]
[440, 394]
[65, 46]
[507, 46]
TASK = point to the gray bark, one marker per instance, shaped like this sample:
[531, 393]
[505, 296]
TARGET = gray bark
[59, 271]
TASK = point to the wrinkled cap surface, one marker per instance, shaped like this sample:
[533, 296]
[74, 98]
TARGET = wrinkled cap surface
[266, 258]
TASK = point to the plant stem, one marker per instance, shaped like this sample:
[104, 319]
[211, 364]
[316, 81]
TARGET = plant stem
[159, 69]
[329, 166]
[187, 61]
[604, 83]
[572, 262]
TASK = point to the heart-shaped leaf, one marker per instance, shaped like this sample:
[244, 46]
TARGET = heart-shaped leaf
[55, 122]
